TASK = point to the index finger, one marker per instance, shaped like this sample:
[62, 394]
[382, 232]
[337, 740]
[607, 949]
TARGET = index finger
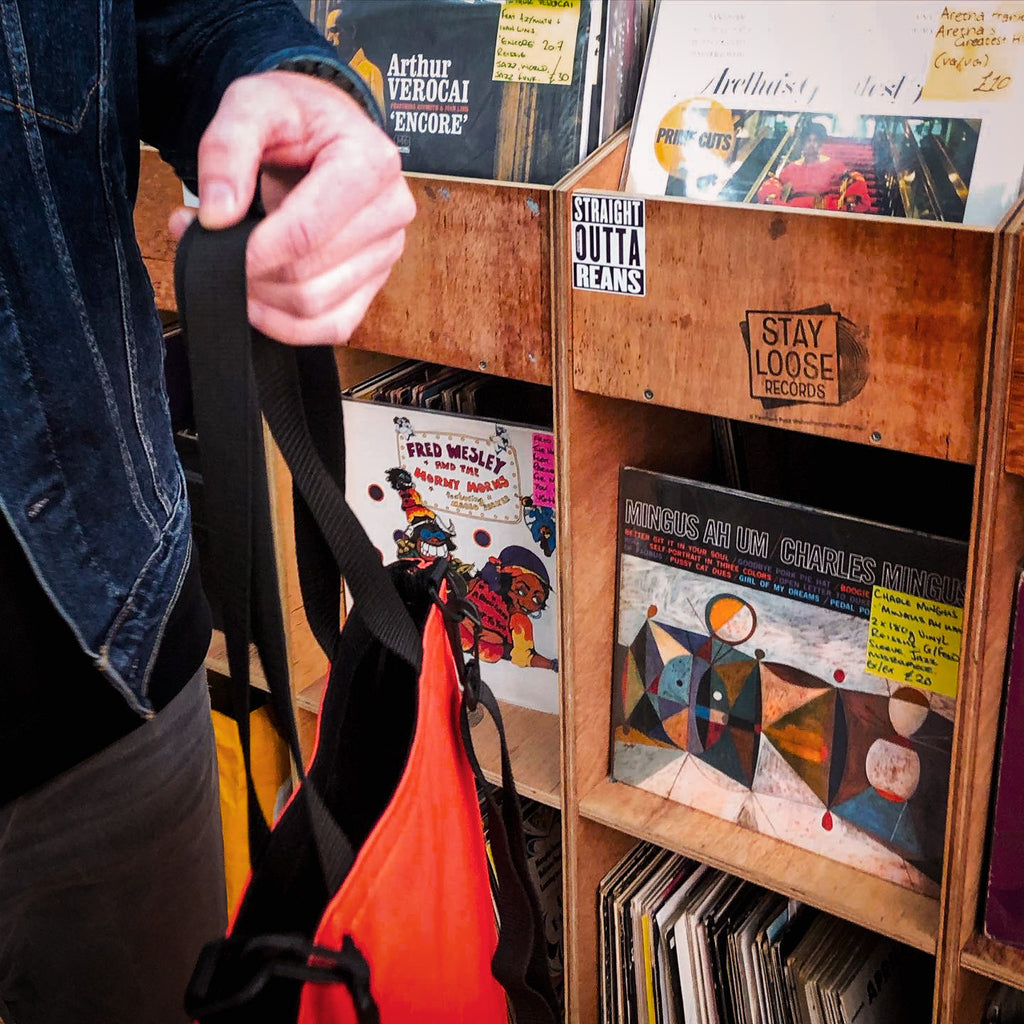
[346, 176]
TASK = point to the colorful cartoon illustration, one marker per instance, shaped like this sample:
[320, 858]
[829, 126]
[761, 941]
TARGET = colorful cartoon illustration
[541, 521]
[427, 484]
[426, 536]
[509, 592]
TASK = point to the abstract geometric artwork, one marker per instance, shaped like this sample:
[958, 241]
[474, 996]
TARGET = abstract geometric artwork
[746, 704]
[879, 761]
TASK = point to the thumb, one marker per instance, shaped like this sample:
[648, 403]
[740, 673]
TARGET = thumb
[230, 153]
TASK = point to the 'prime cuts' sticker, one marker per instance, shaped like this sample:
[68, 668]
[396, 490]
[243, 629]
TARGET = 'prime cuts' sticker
[609, 247]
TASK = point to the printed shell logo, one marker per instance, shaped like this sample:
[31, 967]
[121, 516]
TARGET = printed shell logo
[695, 139]
[803, 356]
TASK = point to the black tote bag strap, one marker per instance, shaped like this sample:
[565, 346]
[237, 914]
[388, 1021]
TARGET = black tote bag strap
[353, 553]
[520, 959]
[319, 576]
[211, 274]
[210, 283]
[235, 488]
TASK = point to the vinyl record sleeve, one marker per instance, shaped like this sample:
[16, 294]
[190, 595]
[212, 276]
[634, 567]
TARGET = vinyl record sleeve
[666, 919]
[627, 943]
[1004, 904]
[606, 890]
[426, 483]
[878, 108]
[788, 669]
[433, 67]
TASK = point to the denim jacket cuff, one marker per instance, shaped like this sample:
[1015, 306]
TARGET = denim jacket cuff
[330, 70]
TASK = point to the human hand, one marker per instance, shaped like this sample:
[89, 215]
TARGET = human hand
[331, 183]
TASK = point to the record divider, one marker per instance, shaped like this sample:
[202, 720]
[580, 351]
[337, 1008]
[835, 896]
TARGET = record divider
[486, 284]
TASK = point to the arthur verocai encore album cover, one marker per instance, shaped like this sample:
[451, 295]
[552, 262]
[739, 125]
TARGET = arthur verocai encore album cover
[485, 89]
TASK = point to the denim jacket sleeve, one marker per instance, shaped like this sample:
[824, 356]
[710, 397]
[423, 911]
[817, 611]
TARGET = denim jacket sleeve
[189, 52]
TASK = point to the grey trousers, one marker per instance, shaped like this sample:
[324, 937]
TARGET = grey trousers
[111, 878]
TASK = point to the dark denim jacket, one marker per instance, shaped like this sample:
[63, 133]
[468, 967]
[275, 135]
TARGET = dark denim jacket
[89, 480]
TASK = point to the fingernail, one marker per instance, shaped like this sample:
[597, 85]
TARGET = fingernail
[216, 201]
[179, 221]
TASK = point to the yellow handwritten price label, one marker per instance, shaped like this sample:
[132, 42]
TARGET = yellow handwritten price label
[977, 53]
[914, 641]
[536, 41]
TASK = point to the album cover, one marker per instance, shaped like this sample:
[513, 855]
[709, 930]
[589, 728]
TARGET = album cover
[1004, 904]
[478, 88]
[428, 484]
[897, 110]
[790, 670]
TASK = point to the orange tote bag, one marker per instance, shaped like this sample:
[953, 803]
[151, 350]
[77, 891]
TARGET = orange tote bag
[369, 900]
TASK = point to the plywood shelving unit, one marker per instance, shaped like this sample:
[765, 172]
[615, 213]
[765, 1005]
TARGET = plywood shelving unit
[486, 284]
[474, 290]
[638, 382]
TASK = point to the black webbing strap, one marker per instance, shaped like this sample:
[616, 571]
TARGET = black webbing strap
[520, 961]
[353, 554]
[319, 577]
[211, 293]
[232, 972]
[234, 482]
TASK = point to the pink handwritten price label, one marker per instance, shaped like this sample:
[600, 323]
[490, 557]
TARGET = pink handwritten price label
[544, 470]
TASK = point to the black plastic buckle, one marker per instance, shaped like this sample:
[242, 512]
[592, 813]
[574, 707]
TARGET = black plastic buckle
[455, 606]
[230, 973]
[350, 967]
[471, 682]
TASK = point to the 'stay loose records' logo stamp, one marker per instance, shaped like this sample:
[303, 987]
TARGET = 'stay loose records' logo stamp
[803, 356]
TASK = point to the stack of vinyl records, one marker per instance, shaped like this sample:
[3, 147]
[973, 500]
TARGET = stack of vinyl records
[518, 90]
[684, 943]
[448, 389]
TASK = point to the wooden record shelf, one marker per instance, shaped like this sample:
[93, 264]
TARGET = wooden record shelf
[933, 317]
[639, 381]
[533, 743]
[994, 960]
[912, 299]
[844, 891]
[473, 288]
